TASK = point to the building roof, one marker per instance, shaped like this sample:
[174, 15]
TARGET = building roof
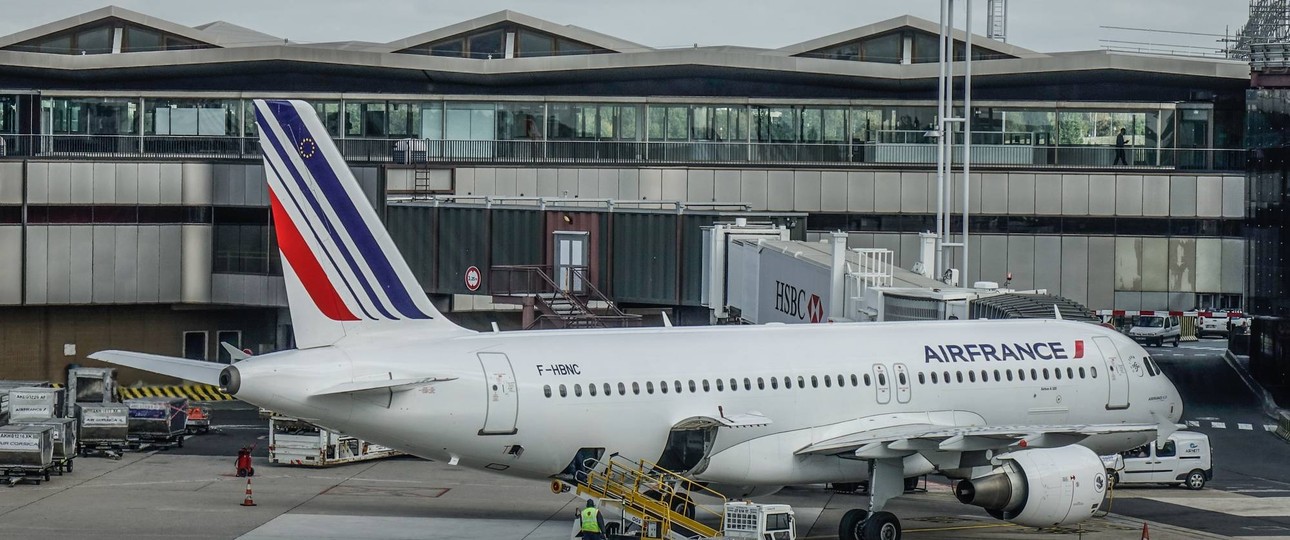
[900, 23]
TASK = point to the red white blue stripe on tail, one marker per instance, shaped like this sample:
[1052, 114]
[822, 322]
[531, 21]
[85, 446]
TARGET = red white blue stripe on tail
[340, 263]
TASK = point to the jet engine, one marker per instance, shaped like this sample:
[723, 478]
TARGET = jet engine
[1043, 487]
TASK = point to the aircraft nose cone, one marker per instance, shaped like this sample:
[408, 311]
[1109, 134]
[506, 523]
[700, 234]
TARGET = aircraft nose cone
[230, 381]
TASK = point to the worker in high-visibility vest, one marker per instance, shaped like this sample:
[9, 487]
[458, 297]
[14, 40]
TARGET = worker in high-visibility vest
[591, 523]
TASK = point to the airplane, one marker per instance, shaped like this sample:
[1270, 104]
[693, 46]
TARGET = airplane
[1016, 410]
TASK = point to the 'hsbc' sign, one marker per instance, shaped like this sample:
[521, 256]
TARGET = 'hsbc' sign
[790, 290]
[796, 302]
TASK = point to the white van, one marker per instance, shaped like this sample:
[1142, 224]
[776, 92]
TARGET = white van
[1156, 330]
[1185, 459]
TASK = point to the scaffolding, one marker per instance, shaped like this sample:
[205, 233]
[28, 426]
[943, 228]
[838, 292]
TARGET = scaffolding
[996, 26]
[1269, 22]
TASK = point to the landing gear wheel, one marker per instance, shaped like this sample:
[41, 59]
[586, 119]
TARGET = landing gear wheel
[1195, 480]
[849, 527]
[881, 526]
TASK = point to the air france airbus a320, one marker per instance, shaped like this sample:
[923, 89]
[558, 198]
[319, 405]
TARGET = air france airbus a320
[1018, 410]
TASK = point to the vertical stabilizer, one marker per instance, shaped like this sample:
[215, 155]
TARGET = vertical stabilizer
[344, 275]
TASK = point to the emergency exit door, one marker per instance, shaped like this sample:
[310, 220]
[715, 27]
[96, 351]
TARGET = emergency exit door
[502, 393]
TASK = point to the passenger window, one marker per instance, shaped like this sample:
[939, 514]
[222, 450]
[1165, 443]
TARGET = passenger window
[747, 384]
[636, 388]
[1008, 373]
[815, 383]
[649, 387]
[971, 376]
[608, 391]
[1045, 374]
[1093, 372]
[801, 381]
[1168, 450]
[828, 381]
[854, 382]
[577, 390]
[761, 383]
[774, 383]
[1070, 373]
[922, 379]
[1021, 374]
[734, 385]
[564, 392]
[867, 380]
[678, 387]
[622, 389]
[1058, 373]
[996, 376]
[1081, 372]
[985, 377]
[693, 388]
[788, 382]
[934, 381]
[958, 376]
[591, 389]
[662, 386]
[1034, 374]
[841, 382]
[721, 385]
[706, 388]
[547, 390]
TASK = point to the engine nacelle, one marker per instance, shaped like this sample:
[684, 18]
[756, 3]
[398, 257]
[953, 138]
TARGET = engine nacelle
[1043, 487]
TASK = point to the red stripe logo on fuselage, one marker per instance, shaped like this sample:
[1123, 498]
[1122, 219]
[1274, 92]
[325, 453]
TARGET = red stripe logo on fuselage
[306, 266]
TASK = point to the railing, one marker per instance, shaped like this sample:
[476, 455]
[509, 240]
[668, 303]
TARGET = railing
[536, 281]
[654, 493]
[907, 149]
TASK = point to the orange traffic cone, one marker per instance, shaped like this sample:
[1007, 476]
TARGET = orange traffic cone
[1146, 534]
[248, 501]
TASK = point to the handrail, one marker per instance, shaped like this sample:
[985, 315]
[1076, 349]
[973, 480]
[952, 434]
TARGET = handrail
[535, 280]
[649, 490]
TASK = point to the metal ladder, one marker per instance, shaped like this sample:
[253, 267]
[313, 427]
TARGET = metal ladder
[651, 496]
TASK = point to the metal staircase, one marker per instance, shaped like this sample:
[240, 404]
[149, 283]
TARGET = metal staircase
[654, 498]
[552, 303]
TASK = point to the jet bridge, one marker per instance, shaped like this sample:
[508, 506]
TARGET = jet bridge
[755, 275]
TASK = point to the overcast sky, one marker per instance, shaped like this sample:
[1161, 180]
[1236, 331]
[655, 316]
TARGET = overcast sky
[1043, 25]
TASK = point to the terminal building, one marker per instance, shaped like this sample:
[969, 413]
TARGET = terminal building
[133, 212]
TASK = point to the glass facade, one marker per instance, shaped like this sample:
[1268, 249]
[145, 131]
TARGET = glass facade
[1267, 280]
[900, 47]
[504, 41]
[99, 38]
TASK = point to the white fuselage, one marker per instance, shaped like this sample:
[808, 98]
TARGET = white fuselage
[479, 419]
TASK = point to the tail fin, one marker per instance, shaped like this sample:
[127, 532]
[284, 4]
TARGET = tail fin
[344, 275]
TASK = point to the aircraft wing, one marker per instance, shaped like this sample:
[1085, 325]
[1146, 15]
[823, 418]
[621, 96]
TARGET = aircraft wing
[911, 439]
[198, 371]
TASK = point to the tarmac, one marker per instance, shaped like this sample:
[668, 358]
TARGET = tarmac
[161, 495]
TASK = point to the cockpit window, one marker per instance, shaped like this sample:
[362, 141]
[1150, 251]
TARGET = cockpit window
[1151, 368]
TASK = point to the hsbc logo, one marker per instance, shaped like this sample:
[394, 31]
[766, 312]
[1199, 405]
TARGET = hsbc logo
[796, 302]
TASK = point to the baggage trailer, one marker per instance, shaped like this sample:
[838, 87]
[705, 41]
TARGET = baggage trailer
[296, 442]
[161, 422]
[6, 387]
[89, 385]
[31, 403]
[26, 453]
[103, 429]
[64, 440]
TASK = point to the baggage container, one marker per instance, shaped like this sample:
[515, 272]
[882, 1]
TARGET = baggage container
[64, 440]
[296, 442]
[26, 452]
[8, 386]
[158, 419]
[103, 429]
[90, 385]
[28, 403]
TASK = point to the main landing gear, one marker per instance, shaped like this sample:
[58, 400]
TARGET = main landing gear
[886, 480]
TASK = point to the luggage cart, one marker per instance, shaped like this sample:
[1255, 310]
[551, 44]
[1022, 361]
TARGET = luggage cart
[104, 429]
[26, 454]
[63, 438]
[158, 422]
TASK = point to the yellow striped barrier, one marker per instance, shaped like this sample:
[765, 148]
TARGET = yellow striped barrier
[194, 392]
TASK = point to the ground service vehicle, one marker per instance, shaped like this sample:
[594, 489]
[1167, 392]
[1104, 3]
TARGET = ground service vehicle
[1185, 459]
[296, 442]
[1156, 330]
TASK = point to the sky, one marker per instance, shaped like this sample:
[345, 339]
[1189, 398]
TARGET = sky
[1041, 25]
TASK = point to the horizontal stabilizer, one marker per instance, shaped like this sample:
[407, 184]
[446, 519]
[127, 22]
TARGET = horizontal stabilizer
[198, 371]
[392, 385]
[234, 353]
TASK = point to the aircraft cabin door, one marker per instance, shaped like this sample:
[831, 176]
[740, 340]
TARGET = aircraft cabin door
[1116, 379]
[902, 383]
[502, 405]
[882, 384]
